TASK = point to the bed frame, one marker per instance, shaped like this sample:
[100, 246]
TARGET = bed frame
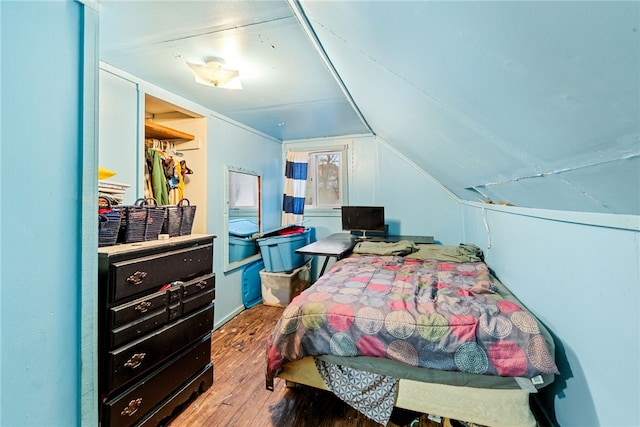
[483, 406]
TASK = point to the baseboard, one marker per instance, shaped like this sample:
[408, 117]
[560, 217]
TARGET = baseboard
[228, 317]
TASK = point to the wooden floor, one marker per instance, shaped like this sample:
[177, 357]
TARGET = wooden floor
[239, 398]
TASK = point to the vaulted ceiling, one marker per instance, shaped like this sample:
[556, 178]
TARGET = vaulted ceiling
[533, 103]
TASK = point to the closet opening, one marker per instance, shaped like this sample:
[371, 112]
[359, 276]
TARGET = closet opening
[175, 148]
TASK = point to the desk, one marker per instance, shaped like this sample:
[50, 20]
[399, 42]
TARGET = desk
[339, 245]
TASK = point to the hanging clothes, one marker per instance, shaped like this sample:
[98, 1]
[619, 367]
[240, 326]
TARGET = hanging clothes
[148, 162]
[185, 169]
[148, 187]
[158, 180]
[176, 184]
[180, 177]
[164, 174]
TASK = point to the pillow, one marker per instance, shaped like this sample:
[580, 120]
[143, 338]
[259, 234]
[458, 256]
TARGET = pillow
[401, 248]
[465, 252]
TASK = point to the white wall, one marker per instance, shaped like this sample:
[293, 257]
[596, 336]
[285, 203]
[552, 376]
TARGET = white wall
[582, 282]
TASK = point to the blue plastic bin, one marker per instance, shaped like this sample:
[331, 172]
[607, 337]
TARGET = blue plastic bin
[251, 289]
[278, 252]
[241, 248]
[243, 227]
[241, 245]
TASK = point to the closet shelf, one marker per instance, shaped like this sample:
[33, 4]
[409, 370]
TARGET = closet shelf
[158, 131]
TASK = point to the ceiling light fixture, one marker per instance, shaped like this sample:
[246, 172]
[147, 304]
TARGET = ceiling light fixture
[214, 72]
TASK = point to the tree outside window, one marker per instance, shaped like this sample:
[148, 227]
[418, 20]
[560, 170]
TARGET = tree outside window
[324, 180]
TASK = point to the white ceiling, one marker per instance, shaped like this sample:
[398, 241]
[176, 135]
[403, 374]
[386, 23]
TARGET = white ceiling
[532, 103]
[288, 92]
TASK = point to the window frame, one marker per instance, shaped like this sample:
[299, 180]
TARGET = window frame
[344, 152]
[313, 180]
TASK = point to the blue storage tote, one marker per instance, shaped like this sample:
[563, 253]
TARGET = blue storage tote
[243, 227]
[278, 252]
[251, 289]
[241, 248]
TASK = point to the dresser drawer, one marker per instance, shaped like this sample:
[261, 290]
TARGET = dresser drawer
[137, 309]
[199, 285]
[140, 327]
[181, 397]
[133, 404]
[135, 359]
[198, 293]
[197, 301]
[137, 318]
[155, 315]
[137, 275]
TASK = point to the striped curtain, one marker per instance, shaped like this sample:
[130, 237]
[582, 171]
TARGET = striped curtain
[295, 182]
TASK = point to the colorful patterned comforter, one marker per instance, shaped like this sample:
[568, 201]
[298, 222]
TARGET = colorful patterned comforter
[426, 313]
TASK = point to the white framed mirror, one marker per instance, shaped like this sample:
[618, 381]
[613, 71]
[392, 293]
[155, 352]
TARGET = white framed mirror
[243, 219]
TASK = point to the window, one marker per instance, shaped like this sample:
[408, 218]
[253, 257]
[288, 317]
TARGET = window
[327, 183]
[325, 179]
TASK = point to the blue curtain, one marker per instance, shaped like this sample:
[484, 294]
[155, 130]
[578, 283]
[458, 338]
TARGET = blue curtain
[295, 183]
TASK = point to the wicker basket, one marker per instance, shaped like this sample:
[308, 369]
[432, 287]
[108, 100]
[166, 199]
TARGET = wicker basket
[141, 221]
[108, 223]
[179, 219]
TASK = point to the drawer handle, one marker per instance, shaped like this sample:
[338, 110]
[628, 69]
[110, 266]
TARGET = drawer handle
[132, 407]
[200, 285]
[135, 361]
[136, 278]
[143, 307]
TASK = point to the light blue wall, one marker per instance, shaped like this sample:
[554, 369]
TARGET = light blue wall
[579, 273]
[119, 127]
[228, 144]
[415, 204]
[581, 280]
[44, 251]
[231, 145]
[378, 175]
[41, 222]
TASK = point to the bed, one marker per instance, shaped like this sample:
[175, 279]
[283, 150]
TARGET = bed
[427, 328]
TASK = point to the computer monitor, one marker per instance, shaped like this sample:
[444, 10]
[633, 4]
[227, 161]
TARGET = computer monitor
[363, 219]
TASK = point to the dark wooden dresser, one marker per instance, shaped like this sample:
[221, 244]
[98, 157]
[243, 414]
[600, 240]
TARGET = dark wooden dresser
[156, 304]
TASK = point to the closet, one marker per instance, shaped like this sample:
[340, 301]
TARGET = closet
[177, 138]
[128, 116]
